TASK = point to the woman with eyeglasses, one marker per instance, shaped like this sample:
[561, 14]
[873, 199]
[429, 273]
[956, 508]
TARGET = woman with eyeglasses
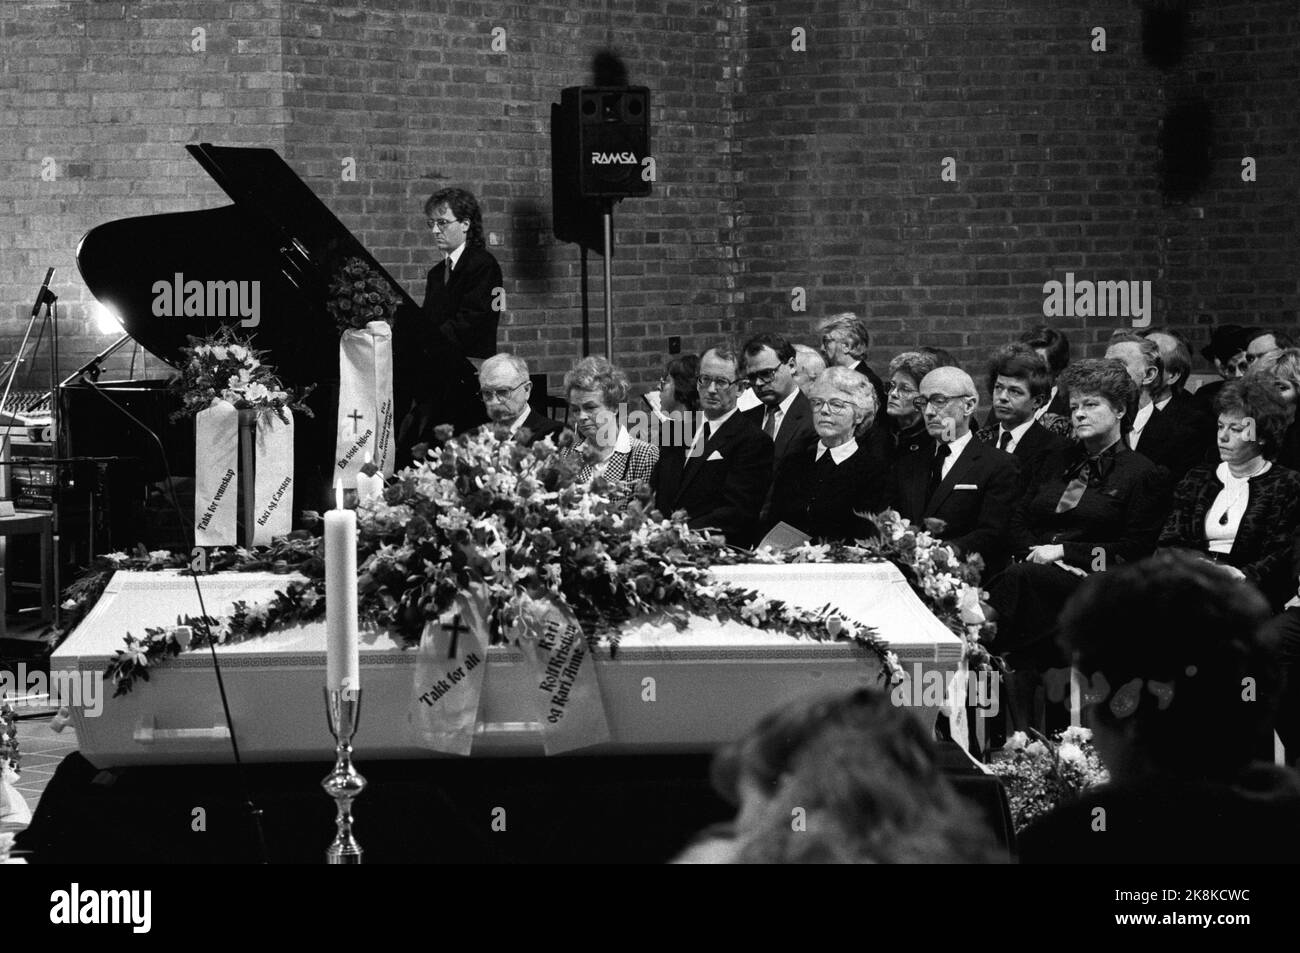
[906, 371]
[596, 389]
[825, 490]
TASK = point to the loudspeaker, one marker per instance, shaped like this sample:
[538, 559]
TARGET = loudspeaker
[612, 142]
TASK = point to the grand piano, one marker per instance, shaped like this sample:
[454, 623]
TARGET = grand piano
[278, 233]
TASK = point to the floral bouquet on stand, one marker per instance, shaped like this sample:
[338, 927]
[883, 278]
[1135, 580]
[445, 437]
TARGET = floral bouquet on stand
[1045, 772]
[359, 294]
[364, 303]
[236, 400]
[225, 366]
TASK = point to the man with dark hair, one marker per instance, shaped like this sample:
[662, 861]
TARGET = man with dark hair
[1020, 383]
[1264, 341]
[1054, 348]
[784, 415]
[1170, 436]
[722, 478]
[1183, 695]
[463, 300]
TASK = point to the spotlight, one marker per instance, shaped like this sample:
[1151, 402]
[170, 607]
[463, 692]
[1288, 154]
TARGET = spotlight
[106, 319]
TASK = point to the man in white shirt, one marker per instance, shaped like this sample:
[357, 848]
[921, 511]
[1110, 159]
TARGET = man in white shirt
[1019, 382]
[722, 478]
[967, 484]
[1167, 439]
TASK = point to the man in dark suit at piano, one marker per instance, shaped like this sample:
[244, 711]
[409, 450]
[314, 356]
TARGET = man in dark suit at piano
[463, 300]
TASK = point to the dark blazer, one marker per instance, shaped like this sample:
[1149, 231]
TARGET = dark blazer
[876, 383]
[1039, 447]
[1176, 438]
[915, 439]
[822, 497]
[433, 380]
[1264, 543]
[793, 438]
[722, 487]
[977, 516]
[796, 433]
[539, 426]
[460, 311]
[1120, 513]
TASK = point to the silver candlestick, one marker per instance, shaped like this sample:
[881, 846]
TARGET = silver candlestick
[344, 784]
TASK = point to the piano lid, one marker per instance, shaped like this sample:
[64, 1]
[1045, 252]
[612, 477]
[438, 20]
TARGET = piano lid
[278, 244]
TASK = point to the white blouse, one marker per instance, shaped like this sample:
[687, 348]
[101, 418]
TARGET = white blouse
[1231, 502]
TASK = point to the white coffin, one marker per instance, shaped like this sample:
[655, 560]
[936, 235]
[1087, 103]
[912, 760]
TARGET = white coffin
[712, 682]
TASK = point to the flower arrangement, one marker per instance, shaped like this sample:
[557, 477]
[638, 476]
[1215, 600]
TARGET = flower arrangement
[9, 757]
[1043, 773]
[359, 294]
[225, 366]
[484, 509]
[946, 583]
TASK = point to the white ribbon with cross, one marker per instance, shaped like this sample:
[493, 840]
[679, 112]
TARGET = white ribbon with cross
[365, 421]
[449, 676]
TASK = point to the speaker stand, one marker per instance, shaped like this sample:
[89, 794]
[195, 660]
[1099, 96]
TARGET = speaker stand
[609, 280]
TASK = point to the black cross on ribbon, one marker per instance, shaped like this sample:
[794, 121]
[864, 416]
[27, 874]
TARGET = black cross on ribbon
[455, 628]
[355, 418]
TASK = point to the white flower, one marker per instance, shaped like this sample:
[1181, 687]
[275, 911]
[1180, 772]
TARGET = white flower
[754, 612]
[256, 393]
[1076, 734]
[1017, 741]
[968, 605]
[1071, 754]
[68, 605]
[220, 353]
[239, 352]
[1036, 749]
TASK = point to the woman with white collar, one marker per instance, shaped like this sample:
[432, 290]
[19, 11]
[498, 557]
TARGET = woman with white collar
[825, 490]
[1244, 512]
[596, 390]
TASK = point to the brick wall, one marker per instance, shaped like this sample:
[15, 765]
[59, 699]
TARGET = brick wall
[106, 95]
[1056, 150]
[778, 168]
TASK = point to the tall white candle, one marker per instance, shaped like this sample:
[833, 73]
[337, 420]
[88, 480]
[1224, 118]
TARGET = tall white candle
[342, 651]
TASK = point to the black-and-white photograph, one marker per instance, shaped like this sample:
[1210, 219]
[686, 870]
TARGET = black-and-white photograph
[652, 432]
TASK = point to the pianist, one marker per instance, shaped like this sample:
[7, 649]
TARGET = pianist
[457, 324]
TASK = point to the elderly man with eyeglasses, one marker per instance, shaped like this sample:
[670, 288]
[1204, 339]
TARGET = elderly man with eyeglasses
[435, 351]
[966, 484]
[720, 474]
[504, 387]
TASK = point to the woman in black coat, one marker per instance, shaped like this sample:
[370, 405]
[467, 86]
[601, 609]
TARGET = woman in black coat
[1105, 508]
[822, 490]
[1244, 512]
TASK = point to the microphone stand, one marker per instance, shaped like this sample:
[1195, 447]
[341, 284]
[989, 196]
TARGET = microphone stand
[254, 812]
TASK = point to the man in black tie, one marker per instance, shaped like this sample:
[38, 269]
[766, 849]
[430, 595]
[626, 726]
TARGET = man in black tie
[1020, 383]
[722, 477]
[463, 301]
[969, 485]
[1172, 442]
[784, 415]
